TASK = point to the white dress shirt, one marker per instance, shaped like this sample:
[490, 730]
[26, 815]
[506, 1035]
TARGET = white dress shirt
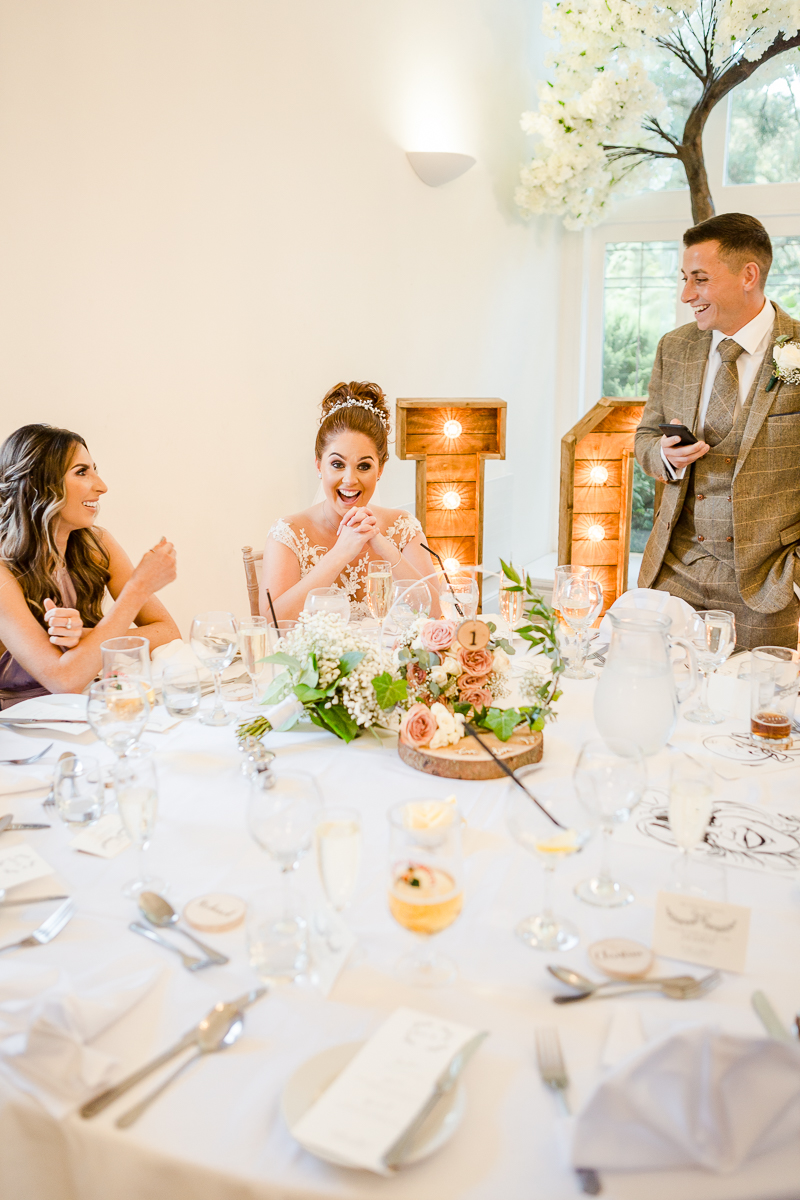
[755, 338]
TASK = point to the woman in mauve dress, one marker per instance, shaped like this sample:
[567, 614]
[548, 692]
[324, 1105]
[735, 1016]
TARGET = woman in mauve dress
[55, 567]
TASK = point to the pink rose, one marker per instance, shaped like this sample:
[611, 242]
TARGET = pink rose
[418, 726]
[437, 635]
[476, 695]
[415, 675]
[475, 662]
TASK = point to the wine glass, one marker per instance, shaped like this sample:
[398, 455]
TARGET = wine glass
[181, 690]
[214, 638]
[691, 798]
[426, 887]
[136, 789]
[713, 635]
[410, 601]
[579, 600]
[380, 587]
[281, 812]
[253, 649]
[567, 571]
[338, 842]
[460, 593]
[129, 658]
[117, 710]
[610, 777]
[330, 600]
[542, 837]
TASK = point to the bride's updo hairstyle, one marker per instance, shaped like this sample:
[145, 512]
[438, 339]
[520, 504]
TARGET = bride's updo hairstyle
[355, 408]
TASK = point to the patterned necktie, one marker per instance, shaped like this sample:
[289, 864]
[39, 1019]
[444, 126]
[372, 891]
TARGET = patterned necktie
[724, 394]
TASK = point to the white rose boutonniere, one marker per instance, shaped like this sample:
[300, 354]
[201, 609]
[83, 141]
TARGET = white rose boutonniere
[785, 362]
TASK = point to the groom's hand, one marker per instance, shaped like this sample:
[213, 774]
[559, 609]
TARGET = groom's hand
[682, 456]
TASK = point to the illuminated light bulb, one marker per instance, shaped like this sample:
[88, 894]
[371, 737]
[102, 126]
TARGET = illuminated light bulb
[596, 533]
[452, 429]
[451, 500]
[598, 475]
[452, 564]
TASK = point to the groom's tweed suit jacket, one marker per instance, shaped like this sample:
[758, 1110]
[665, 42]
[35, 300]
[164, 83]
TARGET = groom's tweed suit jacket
[765, 486]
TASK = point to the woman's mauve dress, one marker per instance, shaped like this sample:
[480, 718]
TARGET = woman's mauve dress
[15, 682]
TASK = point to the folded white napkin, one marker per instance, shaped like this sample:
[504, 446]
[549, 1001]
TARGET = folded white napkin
[175, 652]
[696, 1097]
[652, 601]
[47, 1019]
[18, 779]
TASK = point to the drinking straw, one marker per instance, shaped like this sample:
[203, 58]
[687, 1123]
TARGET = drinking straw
[272, 609]
[433, 554]
[505, 767]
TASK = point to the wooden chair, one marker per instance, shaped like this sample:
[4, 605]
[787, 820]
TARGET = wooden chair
[252, 573]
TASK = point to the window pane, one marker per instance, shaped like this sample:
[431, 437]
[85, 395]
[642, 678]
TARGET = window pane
[764, 130]
[783, 282]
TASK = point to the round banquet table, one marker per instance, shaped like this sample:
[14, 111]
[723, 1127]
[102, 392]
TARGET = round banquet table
[217, 1133]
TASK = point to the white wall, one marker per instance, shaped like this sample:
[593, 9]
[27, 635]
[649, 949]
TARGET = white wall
[208, 219]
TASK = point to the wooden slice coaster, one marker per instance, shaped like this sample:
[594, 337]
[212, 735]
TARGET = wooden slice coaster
[621, 958]
[467, 760]
[216, 912]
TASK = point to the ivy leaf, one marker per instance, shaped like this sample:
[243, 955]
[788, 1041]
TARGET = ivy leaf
[350, 661]
[502, 721]
[389, 691]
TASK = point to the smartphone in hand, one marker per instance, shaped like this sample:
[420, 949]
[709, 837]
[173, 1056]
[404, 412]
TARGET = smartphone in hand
[682, 431]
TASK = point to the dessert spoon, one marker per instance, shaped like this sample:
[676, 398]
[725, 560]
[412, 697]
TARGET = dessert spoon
[160, 912]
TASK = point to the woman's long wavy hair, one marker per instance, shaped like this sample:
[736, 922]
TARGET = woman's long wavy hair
[33, 465]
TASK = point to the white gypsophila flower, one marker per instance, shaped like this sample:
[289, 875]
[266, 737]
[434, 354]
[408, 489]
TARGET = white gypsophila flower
[449, 727]
[498, 685]
[327, 638]
[533, 673]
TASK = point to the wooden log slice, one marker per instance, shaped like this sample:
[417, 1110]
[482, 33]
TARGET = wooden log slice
[467, 760]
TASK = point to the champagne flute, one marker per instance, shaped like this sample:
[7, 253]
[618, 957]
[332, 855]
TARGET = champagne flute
[713, 635]
[426, 888]
[380, 586]
[136, 789]
[338, 844]
[579, 600]
[610, 777]
[117, 710]
[214, 639]
[541, 837]
[691, 799]
[253, 649]
[281, 812]
[511, 602]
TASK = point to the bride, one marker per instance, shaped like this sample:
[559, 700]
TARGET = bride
[331, 543]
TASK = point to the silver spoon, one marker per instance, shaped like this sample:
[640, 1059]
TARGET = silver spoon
[7, 822]
[160, 912]
[217, 1030]
[24, 762]
[574, 979]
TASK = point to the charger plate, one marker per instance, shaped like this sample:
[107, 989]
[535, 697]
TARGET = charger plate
[317, 1074]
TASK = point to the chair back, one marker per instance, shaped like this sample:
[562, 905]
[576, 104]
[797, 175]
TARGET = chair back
[252, 574]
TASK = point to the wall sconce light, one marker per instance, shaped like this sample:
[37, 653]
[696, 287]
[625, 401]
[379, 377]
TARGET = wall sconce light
[437, 167]
[595, 533]
[451, 499]
[452, 429]
[598, 475]
[451, 565]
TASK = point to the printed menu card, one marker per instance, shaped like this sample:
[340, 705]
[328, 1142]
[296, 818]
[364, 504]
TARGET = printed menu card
[380, 1092]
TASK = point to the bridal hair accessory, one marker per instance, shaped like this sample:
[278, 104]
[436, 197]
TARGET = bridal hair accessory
[355, 403]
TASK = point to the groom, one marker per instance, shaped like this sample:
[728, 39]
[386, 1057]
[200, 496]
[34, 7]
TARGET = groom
[728, 529]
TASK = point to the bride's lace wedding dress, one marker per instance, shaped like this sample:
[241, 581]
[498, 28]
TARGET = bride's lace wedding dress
[352, 580]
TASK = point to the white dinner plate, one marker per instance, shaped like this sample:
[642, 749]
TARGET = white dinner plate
[317, 1074]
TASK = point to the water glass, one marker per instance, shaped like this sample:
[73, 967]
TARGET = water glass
[338, 841]
[713, 635]
[214, 638]
[277, 935]
[117, 710]
[181, 690]
[136, 791]
[78, 790]
[129, 658]
[774, 672]
[281, 811]
[460, 593]
[610, 777]
[274, 635]
[410, 601]
[329, 600]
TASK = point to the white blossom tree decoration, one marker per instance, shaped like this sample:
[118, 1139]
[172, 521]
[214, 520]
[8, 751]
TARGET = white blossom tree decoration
[633, 84]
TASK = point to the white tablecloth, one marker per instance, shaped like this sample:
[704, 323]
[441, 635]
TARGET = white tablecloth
[217, 1134]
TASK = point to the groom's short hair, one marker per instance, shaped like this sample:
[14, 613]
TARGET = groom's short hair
[741, 238]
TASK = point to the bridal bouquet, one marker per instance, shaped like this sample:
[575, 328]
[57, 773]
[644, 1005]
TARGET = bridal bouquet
[329, 667]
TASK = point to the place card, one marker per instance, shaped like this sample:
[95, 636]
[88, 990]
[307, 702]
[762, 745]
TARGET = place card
[379, 1093]
[106, 838]
[20, 863]
[706, 932]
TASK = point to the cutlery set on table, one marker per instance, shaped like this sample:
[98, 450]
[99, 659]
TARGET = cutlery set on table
[159, 912]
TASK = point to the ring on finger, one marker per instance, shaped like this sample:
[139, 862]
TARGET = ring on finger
[69, 622]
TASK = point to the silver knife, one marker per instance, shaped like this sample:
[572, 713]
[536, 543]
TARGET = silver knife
[30, 900]
[101, 1101]
[444, 1084]
[769, 1018]
[43, 721]
[22, 825]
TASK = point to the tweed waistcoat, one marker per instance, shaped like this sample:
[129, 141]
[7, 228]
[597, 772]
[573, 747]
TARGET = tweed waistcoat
[705, 526]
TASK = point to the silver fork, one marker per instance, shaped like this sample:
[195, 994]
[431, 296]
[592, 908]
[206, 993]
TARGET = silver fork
[48, 929]
[554, 1075]
[24, 762]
